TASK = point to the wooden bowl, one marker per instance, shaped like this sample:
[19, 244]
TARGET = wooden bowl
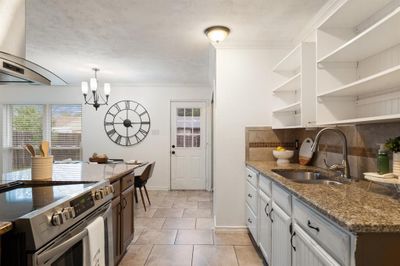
[98, 160]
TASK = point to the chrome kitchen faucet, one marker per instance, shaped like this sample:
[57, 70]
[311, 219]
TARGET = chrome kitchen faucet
[344, 167]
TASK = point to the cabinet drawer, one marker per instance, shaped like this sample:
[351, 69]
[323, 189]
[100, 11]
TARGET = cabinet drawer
[334, 240]
[117, 188]
[127, 181]
[251, 176]
[282, 198]
[265, 184]
[251, 222]
[251, 197]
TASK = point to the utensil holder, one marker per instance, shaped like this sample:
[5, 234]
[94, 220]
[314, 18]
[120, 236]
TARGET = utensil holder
[42, 168]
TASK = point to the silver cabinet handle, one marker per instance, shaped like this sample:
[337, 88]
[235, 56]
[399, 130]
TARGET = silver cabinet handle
[249, 195]
[249, 220]
[249, 176]
[265, 209]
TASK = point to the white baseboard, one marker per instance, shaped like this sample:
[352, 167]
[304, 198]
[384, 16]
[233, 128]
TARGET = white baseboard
[238, 228]
[156, 188]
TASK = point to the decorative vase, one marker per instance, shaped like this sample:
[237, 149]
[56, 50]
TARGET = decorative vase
[396, 164]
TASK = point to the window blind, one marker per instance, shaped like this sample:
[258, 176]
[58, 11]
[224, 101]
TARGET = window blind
[66, 125]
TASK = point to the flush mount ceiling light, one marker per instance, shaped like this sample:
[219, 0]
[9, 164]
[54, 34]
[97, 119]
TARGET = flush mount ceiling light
[217, 33]
[95, 97]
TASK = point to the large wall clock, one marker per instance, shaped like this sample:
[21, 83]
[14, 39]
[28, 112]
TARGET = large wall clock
[127, 123]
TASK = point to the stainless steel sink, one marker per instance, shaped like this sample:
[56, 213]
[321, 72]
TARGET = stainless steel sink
[307, 177]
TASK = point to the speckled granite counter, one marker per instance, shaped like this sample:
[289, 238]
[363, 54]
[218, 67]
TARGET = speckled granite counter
[357, 207]
[80, 172]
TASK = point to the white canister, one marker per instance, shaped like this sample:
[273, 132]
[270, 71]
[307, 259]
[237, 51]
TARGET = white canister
[42, 168]
[396, 163]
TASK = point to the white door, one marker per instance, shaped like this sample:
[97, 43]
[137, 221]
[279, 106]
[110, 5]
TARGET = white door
[188, 147]
[307, 252]
[281, 249]
[265, 225]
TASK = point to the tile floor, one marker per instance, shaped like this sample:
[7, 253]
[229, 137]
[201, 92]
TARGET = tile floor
[178, 230]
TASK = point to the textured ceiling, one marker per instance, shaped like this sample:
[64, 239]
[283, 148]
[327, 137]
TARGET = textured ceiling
[151, 41]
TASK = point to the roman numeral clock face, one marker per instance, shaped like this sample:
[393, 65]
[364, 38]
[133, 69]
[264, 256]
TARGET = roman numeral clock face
[127, 123]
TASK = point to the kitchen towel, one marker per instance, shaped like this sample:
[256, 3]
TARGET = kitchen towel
[96, 242]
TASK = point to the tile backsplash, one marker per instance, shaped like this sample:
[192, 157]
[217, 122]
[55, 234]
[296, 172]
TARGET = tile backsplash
[362, 141]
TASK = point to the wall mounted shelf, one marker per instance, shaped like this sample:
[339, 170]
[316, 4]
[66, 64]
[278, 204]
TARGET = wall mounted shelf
[291, 85]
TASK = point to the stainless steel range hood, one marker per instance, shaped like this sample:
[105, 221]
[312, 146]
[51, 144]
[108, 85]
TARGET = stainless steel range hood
[14, 68]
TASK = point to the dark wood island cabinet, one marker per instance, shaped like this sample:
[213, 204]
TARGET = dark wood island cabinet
[123, 215]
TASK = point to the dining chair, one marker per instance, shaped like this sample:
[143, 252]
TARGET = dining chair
[141, 180]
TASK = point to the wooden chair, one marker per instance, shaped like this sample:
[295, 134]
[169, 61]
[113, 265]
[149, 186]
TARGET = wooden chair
[141, 180]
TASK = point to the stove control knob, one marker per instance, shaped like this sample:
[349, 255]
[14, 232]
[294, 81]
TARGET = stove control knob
[57, 218]
[68, 213]
[98, 194]
[111, 188]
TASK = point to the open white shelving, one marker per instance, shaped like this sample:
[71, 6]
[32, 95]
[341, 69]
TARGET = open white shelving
[382, 81]
[295, 97]
[379, 37]
[290, 63]
[358, 66]
[288, 108]
[291, 85]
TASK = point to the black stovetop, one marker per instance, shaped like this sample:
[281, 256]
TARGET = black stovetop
[23, 198]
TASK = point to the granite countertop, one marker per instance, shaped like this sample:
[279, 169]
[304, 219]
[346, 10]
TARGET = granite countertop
[77, 172]
[359, 207]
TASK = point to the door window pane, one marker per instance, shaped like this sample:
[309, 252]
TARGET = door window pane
[179, 141]
[188, 127]
[188, 141]
[180, 111]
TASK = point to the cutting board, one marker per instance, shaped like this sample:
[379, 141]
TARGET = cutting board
[305, 153]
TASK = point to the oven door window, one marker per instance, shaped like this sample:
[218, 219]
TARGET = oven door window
[72, 257]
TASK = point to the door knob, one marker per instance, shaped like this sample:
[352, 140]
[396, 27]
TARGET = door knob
[173, 152]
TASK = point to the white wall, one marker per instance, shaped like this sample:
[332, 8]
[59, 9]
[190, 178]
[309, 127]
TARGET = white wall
[156, 99]
[244, 82]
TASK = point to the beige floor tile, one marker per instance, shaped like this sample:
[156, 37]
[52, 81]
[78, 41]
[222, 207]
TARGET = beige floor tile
[160, 203]
[197, 213]
[149, 223]
[170, 255]
[140, 212]
[179, 223]
[247, 256]
[205, 204]
[136, 235]
[136, 255]
[183, 204]
[200, 198]
[168, 213]
[210, 255]
[157, 237]
[204, 223]
[199, 237]
[231, 238]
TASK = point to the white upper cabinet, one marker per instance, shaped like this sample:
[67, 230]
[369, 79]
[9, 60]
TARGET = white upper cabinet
[358, 63]
[294, 97]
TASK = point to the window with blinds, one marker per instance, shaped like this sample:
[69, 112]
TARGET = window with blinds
[30, 124]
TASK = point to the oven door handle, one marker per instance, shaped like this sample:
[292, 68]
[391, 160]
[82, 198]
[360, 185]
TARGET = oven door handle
[45, 256]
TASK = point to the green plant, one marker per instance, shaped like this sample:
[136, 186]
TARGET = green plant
[393, 144]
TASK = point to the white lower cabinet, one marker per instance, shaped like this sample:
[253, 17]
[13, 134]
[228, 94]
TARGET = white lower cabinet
[281, 249]
[288, 231]
[307, 252]
[265, 226]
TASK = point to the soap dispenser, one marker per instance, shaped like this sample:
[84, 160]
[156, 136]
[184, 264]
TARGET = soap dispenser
[382, 160]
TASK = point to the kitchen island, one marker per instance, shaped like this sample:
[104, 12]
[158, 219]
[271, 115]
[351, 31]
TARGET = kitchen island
[347, 223]
[74, 176]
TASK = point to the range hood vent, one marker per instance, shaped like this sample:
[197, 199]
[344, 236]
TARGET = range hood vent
[14, 68]
[17, 70]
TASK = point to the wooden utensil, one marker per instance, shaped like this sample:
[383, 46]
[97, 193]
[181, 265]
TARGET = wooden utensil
[30, 149]
[44, 148]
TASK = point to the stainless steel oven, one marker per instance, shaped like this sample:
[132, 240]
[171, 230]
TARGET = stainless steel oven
[72, 247]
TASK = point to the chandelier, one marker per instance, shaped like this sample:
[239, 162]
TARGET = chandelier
[95, 99]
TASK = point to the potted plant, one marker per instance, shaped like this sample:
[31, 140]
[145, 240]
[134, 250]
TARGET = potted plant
[394, 146]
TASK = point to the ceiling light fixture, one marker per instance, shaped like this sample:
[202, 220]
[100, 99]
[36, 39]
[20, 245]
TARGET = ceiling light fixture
[217, 33]
[94, 99]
